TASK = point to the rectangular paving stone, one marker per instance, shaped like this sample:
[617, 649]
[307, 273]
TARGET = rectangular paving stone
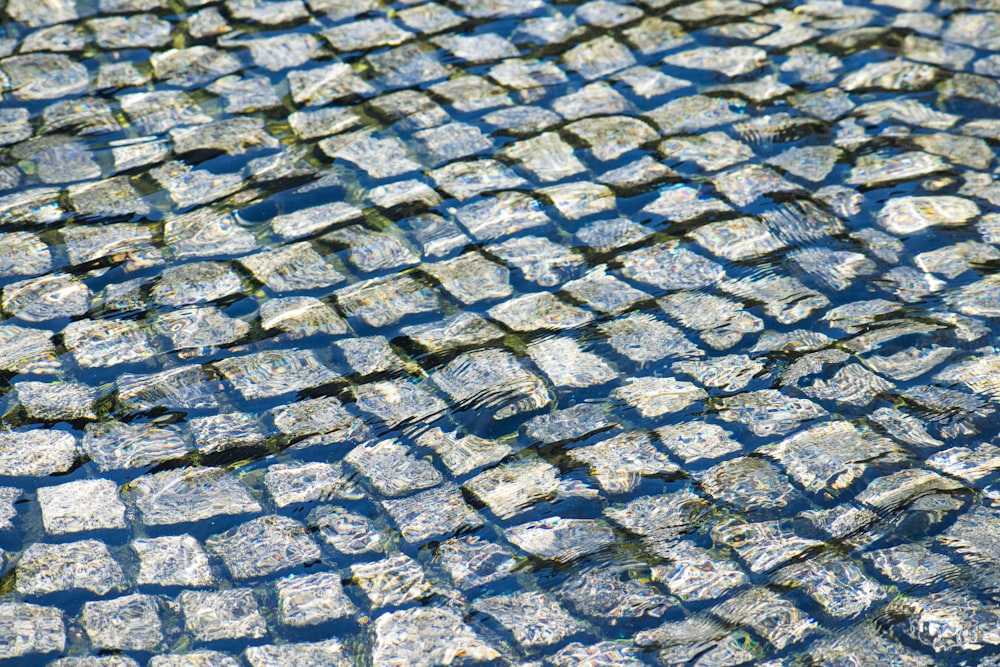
[84, 505]
[229, 614]
[189, 495]
[312, 599]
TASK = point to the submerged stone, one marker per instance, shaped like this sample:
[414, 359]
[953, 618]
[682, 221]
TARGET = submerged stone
[264, 546]
[229, 614]
[175, 560]
[31, 628]
[189, 495]
[391, 582]
[275, 372]
[424, 637]
[561, 540]
[49, 568]
[392, 468]
[312, 599]
[432, 513]
[492, 380]
[530, 617]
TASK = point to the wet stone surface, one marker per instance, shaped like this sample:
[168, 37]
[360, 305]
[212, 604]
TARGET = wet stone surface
[501, 332]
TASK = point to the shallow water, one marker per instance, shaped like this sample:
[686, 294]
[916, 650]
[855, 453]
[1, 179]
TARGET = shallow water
[499, 331]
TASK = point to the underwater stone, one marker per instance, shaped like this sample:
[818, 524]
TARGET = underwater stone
[538, 259]
[263, 546]
[130, 623]
[466, 179]
[189, 495]
[473, 561]
[228, 614]
[721, 323]
[346, 532]
[189, 387]
[906, 215]
[662, 518]
[579, 200]
[30, 628]
[383, 301]
[37, 452]
[84, 505]
[730, 372]
[598, 57]
[114, 445]
[696, 440]
[695, 574]
[391, 582]
[217, 433]
[275, 372]
[546, 156]
[174, 560]
[392, 469]
[192, 66]
[155, 112]
[424, 637]
[233, 136]
[379, 157]
[620, 462]
[561, 540]
[455, 331]
[769, 411]
[604, 293]
[96, 343]
[533, 619]
[87, 243]
[124, 32]
[643, 338]
[330, 652]
[398, 401]
[197, 327]
[572, 423]
[325, 416]
[471, 277]
[502, 214]
[293, 483]
[436, 236]
[808, 457]
[47, 297]
[57, 401]
[194, 659]
[465, 454]
[293, 267]
[429, 18]
[189, 187]
[539, 310]
[591, 100]
[566, 365]
[369, 354]
[312, 599]
[492, 381]
[49, 568]
[511, 489]
[433, 513]
[44, 76]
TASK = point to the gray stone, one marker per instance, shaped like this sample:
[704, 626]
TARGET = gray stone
[81, 506]
[130, 623]
[174, 560]
[227, 614]
[49, 568]
[312, 599]
[190, 495]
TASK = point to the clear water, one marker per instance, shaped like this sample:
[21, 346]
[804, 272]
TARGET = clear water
[500, 332]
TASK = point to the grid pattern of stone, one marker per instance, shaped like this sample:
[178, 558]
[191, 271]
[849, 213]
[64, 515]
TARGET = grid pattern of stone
[499, 331]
